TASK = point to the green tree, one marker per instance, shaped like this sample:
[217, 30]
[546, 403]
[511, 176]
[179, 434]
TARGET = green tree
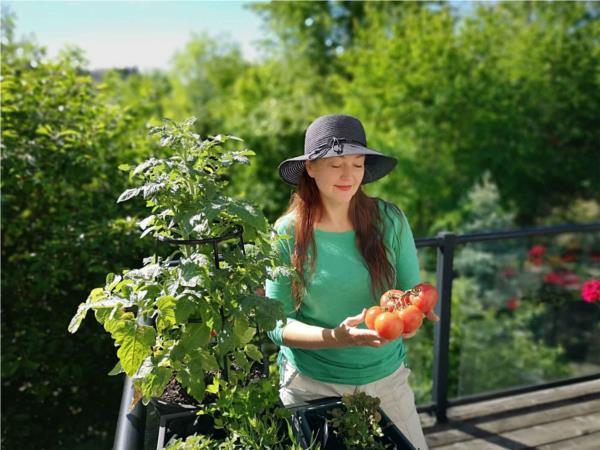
[63, 137]
[531, 104]
[452, 99]
[271, 105]
[202, 76]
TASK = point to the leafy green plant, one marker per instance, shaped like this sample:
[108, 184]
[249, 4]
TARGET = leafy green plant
[358, 424]
[193, 314]
[63, 137]
[250, 414]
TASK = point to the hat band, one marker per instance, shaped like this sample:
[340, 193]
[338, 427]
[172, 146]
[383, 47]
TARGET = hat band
[335, 144]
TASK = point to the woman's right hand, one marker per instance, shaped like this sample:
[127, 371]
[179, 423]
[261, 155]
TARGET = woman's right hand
[347, 334]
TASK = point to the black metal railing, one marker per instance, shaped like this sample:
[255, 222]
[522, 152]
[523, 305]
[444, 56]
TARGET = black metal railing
[445, 243]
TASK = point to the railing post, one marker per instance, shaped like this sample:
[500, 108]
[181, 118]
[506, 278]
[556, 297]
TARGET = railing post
[441, 348]
[131, 425]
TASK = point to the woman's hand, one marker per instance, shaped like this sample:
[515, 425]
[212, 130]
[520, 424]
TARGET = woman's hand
[432, 316]
[348, 335]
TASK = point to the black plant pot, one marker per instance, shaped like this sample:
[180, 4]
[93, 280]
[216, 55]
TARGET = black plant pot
[166, 421]
[309, 421]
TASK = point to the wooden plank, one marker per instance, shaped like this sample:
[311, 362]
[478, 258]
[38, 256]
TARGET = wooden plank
[553, 432]
[465, 412]
[586, 442]
[463, 431]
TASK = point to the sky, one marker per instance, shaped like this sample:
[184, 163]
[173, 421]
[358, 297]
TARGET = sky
[145, 34]
[134, 33]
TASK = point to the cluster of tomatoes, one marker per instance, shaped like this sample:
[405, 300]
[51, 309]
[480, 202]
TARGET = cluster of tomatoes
[401, 312]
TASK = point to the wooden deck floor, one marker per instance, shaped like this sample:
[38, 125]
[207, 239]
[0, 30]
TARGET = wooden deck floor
[564, 418]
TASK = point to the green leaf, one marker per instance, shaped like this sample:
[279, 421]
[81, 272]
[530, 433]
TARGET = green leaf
[116, 370]
[124, 167]
[151, 189]
[267, 311]
[183, 308]
[192, 377]
[153, 385]
[166, 313]
[242, 331]
[191, 274]
[213, 388]
[82, 310]
[253, 352]
[98, 301]
[195, 336]
[129, 193]
[209, 362]
[148, 272]
[44, 130]
[136, 344]
[147, 222]
[248, 213]
[151, 162]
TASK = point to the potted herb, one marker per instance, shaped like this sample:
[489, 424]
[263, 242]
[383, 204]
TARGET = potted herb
[354, 421]
[192, 316]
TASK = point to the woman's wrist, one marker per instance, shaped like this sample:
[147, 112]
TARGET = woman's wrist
[301, 335]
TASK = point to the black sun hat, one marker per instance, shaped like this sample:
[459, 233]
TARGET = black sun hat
[337, 135]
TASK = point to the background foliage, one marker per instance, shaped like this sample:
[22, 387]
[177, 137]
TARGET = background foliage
[511, 91]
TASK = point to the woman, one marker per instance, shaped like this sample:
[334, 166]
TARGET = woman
[347, 249]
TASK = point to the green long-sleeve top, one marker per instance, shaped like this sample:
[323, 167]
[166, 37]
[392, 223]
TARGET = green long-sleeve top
[340, 288]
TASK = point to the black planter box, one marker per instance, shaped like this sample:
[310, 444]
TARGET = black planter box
[309, 421]
[165, 421]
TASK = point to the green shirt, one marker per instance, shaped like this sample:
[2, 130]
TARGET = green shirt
[340, 288]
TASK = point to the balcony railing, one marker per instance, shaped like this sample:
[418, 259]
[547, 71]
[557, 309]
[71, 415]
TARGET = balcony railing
[446, 243]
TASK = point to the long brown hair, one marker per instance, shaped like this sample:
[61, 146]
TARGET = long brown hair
[306, 204]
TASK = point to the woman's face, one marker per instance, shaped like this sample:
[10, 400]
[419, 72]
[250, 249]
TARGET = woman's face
[338, 178]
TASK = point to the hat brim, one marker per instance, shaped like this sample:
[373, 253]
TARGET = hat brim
[377, 165]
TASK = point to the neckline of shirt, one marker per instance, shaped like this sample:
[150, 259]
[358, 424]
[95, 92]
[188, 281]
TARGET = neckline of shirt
[334, 232]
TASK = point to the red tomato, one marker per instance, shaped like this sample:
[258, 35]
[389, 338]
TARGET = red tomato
[412, 318]
[425, 297]
[389, 300]
[372, 313]
[389, 326]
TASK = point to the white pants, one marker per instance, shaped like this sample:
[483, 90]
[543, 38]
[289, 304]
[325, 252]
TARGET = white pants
[397, 398]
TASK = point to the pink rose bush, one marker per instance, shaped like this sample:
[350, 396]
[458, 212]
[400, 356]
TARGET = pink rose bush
[590, 291]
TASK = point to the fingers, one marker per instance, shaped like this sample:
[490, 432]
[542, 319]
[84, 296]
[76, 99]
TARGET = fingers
[353, 321]
[409, 335]
[367, 338]
[432, 316]
[352, 336]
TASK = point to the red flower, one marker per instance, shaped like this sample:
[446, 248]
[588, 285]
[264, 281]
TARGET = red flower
[513, 303]
[536, 254]
[567, 279]
[568, 258]
[554, 278]
[590, 291]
